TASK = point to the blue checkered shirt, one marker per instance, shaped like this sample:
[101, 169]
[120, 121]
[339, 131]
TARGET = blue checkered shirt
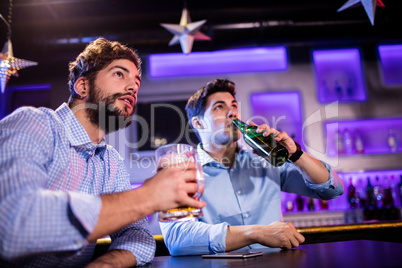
[51, 176]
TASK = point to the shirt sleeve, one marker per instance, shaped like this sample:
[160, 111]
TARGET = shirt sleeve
[293, 180]
[194, 238]
[32, 218]
[137, 239]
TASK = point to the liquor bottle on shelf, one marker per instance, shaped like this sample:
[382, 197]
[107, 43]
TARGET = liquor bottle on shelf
[370, 193]
[348, 143]
[400, 189]
[359, 146]
[310, 204]
[352, 200]
[361, 193]
[350, 89]
[338, 90]
[394, 190]
[323, 204]
[388, 199]
[339, 143]
[288, 203]
[299, 203]
[266, 147]
[392, 142]
[368, 212]
[388, 210]
[378, 193]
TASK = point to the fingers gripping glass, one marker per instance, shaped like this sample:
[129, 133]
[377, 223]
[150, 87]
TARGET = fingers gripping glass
[176, 154]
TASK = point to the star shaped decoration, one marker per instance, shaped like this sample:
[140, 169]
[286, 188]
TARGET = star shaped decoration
[369, 7]
[186, 32]
[3, 74]
[9, 65]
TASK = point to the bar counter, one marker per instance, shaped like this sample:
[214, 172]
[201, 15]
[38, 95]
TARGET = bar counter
[345, 254]
[368, 245]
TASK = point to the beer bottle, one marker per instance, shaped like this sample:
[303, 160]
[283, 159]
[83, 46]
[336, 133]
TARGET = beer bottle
[266, 147]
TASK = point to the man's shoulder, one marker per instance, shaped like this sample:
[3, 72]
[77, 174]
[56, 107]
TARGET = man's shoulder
[31, 115]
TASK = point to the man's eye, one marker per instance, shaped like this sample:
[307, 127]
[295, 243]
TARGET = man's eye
[218, 107]
[118, 74]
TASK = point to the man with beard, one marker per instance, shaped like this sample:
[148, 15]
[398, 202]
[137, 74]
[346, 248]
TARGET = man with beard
[242, 190]
[62, 187]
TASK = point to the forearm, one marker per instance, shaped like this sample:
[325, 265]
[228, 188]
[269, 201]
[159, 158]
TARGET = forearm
[316, 171]
[276, 235]
[120, 209]
[240, 236]
[115, 258]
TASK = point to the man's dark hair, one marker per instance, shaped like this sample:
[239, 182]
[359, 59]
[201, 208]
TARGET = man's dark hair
[197, 103]
[96, 56]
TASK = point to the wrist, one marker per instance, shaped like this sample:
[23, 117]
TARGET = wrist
[142, 196]
[252, 234]
[297, 154]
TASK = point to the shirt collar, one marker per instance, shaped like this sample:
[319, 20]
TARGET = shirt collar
[207, 160]
[77, 135]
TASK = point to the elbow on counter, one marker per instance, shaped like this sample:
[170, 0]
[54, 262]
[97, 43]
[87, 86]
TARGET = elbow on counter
[173, 247]
[10, 249]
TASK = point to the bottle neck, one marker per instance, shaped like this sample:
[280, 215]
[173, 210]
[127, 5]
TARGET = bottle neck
[240, 125]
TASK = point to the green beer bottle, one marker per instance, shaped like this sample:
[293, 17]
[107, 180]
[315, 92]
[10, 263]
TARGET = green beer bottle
[267, 147]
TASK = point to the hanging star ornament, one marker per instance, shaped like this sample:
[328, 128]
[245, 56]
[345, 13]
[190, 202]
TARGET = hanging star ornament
[3, 74]
[9, 65]
[186, 32]
[369, 7]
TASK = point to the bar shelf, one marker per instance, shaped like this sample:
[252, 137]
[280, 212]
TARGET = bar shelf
[364, 137]
[280, 110]
[391, 64]
[339, 75]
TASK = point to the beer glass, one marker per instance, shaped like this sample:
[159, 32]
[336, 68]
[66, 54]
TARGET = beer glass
[176, 154]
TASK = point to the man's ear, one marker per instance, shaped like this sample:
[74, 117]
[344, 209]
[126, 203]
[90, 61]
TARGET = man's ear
[81, 87]
[197, 122]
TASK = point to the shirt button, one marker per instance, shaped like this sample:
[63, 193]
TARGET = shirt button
[238, 191]
[246, 215]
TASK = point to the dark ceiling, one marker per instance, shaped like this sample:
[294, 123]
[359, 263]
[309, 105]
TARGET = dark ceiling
[53, 30]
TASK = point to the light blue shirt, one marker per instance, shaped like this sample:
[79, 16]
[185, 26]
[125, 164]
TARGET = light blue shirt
[247, 193]
[51, 176]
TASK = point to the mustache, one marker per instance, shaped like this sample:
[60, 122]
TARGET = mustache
[119, 95]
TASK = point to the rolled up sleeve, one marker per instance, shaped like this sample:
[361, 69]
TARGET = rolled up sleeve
[194, 238]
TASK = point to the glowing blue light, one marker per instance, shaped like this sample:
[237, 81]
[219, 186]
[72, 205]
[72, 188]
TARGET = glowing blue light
[88, 39]
[265, 59]
[391, 63]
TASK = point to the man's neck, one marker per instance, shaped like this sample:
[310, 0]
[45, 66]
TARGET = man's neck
[94, 132]
[223, 154]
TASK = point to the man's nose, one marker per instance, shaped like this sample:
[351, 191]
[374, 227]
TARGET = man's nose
[132, 87]
[232, 113]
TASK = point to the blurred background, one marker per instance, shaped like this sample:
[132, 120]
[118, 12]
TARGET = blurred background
[330, 79]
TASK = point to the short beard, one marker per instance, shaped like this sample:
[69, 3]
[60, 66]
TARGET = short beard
[104, 113]
[226, 139]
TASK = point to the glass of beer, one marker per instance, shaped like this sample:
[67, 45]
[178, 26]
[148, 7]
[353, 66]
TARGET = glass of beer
[176, 154]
